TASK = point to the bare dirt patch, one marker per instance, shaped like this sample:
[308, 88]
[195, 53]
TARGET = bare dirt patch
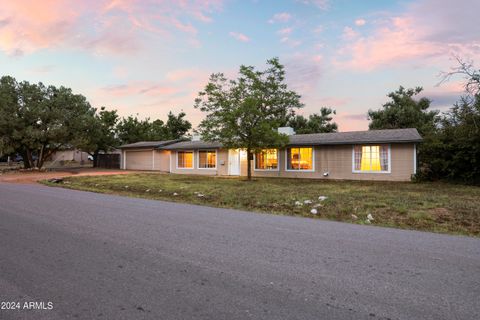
[30, 177]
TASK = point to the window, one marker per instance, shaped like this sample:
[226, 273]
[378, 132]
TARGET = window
[300, 159]
[266, 159]
[185, 159]
[207, 159]
[371, 158]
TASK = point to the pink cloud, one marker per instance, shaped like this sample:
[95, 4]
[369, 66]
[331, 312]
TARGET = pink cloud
[285, 31]
[321, 4]
[303, 73]
[114, 26]
[360, 22]
[140, 88]
[281, 17]
[427, 29]
[239, 36]
[349, 33]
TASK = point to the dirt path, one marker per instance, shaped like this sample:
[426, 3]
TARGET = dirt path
[33, 177]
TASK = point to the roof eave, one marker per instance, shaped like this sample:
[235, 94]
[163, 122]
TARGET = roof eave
[352, 142]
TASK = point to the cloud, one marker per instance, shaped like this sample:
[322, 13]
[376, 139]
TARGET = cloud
[281, 17]
[140, 88]
[445, 94]
[360, 22]
[349, 33]
[285, 31]
[427, 29]
[239, 36]
[113, 26]
[303, 72]
[321, 4]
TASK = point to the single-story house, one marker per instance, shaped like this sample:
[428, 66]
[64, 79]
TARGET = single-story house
[361, 155]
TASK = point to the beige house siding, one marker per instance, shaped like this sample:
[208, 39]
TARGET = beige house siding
[161, 160]
[221, 169]
[337, 161]
[138, 159]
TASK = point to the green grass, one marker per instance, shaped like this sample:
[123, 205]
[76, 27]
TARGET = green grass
[436, 207]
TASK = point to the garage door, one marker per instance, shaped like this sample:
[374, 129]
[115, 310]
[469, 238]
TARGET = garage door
[139, 160]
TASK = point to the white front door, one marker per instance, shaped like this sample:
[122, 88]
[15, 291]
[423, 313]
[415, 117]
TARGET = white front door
[234, 162]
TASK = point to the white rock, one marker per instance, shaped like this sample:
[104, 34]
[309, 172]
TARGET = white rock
[313, 211]
[148, 190]
[160, 190]
[200, 195]
[322, 198]
[370, 217]
[126, 187]
[307, 201]
[318, 205]
[175, 194]
[354, 217]
[298, 203]
[196, 192]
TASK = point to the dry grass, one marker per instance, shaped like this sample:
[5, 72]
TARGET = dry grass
[436, 207]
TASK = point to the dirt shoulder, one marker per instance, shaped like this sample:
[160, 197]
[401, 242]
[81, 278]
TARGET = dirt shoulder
[30, 177]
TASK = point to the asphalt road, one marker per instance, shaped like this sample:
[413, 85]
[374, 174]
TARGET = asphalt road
[107, 257]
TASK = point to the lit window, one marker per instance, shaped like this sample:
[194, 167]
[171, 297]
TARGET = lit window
[266, 159]
[207, 159]
[300, 159]
[371, 158]
[185, 159]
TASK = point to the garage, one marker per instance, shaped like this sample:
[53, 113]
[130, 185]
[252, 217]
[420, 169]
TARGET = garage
[138, 159]
[145, 155]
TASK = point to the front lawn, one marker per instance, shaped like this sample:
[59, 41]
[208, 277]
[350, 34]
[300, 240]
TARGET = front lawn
[434, 207]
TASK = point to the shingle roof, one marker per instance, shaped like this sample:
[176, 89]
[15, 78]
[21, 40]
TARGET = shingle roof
[353, 137]
[193, 145]
[148, 144]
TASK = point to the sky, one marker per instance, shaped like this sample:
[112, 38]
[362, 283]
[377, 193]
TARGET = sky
[148, 57]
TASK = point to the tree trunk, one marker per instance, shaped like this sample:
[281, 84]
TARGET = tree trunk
[95, 158]
[26, 164]
[40, 157]
[249, 165]
[27, 159]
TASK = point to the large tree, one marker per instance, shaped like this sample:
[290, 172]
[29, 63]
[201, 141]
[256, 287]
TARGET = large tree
[245, 112]
[37, 120]
[404, 111]
[132, 129]
[101, 134]
[315, 123]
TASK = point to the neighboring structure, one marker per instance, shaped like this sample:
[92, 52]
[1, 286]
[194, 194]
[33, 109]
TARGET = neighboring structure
[70, 155]
[360, 155]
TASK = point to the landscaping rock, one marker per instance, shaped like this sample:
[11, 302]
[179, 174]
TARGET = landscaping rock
[318, 205]
[307, 201]
[322, 198]
[160, 190]
[148, 190]
[200, 195]
[313, 211]
[298, 203]
[370, 217]
[126, 187]
[175, 194]
[354, 217]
